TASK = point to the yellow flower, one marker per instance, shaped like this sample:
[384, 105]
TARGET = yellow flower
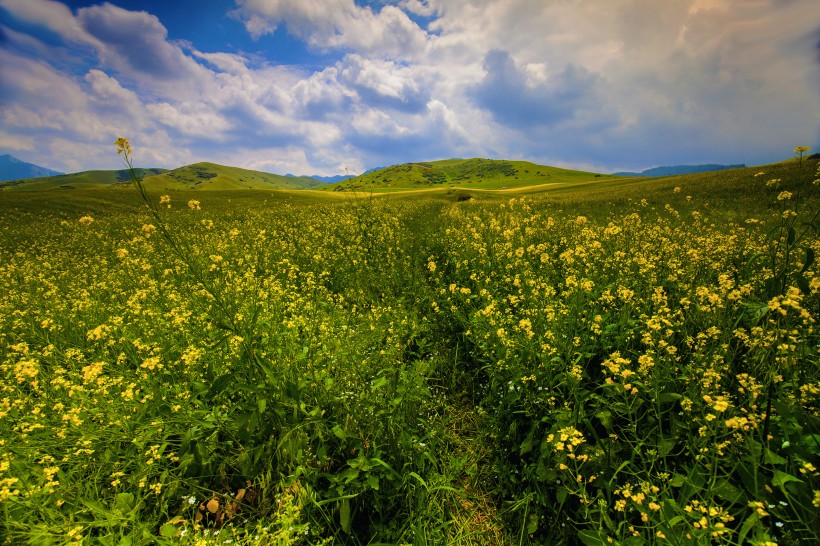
[193, 204]
[123, 146]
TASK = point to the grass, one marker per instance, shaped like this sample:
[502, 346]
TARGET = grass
[475, 173]
[81, 180]
[592, 362]
[196, 177]
[210, 176]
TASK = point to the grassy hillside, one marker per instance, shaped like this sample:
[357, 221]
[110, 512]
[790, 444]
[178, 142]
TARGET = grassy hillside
[471, 173]
[210, 176]
[80, 180]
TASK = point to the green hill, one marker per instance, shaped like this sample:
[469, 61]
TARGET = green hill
[210, 176]
[80, 180]
[468, 173]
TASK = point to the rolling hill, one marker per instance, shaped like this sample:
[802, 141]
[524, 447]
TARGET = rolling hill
[210, 176]
[198, 177]
[470, 173]
[80, 180]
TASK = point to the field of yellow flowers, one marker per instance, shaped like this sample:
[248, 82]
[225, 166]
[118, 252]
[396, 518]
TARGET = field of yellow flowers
[555, 369]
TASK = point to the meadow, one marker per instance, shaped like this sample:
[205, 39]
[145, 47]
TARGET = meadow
[615, 362]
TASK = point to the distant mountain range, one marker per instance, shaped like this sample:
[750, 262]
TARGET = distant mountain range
[325, 179]
[12, 168]
[681, 169]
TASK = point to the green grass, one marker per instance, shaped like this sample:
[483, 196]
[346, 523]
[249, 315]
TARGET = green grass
[305, 367]
[210, 176]
[196, 177]
[81, 180]
[464, 173]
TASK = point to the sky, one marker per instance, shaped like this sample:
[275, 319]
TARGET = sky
[330, 87]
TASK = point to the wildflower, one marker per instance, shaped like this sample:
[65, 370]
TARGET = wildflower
[123, 146]
[193, 204]
[784, 195]
[85, 220]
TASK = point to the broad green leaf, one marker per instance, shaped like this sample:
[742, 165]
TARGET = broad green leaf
[781, 478]
[168, 530]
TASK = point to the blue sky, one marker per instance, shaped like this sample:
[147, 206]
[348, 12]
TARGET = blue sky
[324, 86]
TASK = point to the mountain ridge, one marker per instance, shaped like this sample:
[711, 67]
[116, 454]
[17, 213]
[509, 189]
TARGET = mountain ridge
[673, 170]
[12, 168]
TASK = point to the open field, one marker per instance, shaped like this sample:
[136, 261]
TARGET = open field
[587, 361]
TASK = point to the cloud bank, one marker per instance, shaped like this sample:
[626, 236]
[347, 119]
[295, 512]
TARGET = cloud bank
[602, 85]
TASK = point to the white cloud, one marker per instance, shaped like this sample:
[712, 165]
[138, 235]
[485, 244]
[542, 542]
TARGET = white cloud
[615, 83]
[55, 16]
[327, 24]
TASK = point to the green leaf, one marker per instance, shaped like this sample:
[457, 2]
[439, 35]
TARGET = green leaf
[526, 445]
[373, 482]
[292, 389]
[605, 416]
[344, 515]
[809, 258]
[773, 458]
[781, 478]
[168, 530]
[747, 526]
[669, 397]
[729, 492]
[592, 538]
[339, 432]
[124, 502]
[532, 524]
[665, 446]
[677, 480]
[261, 404]
[220, 384]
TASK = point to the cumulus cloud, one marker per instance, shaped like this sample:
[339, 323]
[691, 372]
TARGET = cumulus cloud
[327, 24]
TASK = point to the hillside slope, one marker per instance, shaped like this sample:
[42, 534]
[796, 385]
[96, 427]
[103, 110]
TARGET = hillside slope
[210, 176]
[473, 173]
[80, 180]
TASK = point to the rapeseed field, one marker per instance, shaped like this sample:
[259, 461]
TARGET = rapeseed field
[545, 369]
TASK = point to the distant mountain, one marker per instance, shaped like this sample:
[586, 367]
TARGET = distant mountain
[80, 180]
[12, 168]
[681, 169]
[325, 179]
